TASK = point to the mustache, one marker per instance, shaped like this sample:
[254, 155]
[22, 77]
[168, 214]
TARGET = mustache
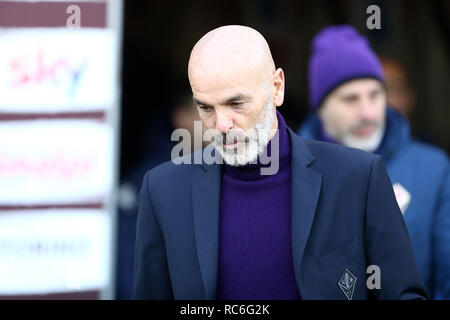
[364, 125]
[231, 137]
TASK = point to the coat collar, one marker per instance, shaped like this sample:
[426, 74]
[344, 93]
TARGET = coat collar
[397, 132]
[305, 191]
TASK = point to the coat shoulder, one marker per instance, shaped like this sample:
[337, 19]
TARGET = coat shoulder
[428, 152]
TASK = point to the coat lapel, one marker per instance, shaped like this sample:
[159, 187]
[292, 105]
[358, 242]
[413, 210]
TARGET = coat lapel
[205, 204]
[305, 191]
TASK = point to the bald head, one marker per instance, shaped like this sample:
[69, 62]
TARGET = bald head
[230, 50]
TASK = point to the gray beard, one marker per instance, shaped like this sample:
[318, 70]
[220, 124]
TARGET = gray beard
[258, 138]
[369, 144]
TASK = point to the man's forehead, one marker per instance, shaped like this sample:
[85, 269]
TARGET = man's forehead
[358, 86]
[221, 86]
[222, 72]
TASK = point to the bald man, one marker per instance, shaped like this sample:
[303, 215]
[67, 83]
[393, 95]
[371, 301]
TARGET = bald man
[309, 229]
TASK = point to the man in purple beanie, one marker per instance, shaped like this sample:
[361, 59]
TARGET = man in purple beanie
[348, 102]
[312, 228]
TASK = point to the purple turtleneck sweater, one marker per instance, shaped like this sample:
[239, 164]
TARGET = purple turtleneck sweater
[255, 258]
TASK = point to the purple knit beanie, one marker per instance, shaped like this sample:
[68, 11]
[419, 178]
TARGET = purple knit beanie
[339, 54]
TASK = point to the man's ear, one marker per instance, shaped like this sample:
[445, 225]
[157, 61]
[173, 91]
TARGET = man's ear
[278, 87]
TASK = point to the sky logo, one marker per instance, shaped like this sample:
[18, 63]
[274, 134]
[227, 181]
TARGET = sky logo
[38, 71]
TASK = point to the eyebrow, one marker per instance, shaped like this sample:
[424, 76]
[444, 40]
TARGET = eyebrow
[236, 97]
[349, 96]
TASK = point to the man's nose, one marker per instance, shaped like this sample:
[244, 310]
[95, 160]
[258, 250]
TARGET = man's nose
[367, 110]
[223, 122]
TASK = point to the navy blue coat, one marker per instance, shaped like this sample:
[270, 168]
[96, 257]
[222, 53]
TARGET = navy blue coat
[424, 171]
[344, 216]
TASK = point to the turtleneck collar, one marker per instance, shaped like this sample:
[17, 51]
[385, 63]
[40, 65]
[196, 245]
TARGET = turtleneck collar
[253, 171]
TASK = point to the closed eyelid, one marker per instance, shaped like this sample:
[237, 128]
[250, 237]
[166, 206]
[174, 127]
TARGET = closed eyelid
[204, 107]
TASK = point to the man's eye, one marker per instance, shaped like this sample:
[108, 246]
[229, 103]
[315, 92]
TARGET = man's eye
[205, 108]
[350, 99]
[236, 104]
[374, 94]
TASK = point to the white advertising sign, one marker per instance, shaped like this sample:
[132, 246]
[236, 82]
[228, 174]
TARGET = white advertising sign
[45, 251]
[57, 70]
[57, 162]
